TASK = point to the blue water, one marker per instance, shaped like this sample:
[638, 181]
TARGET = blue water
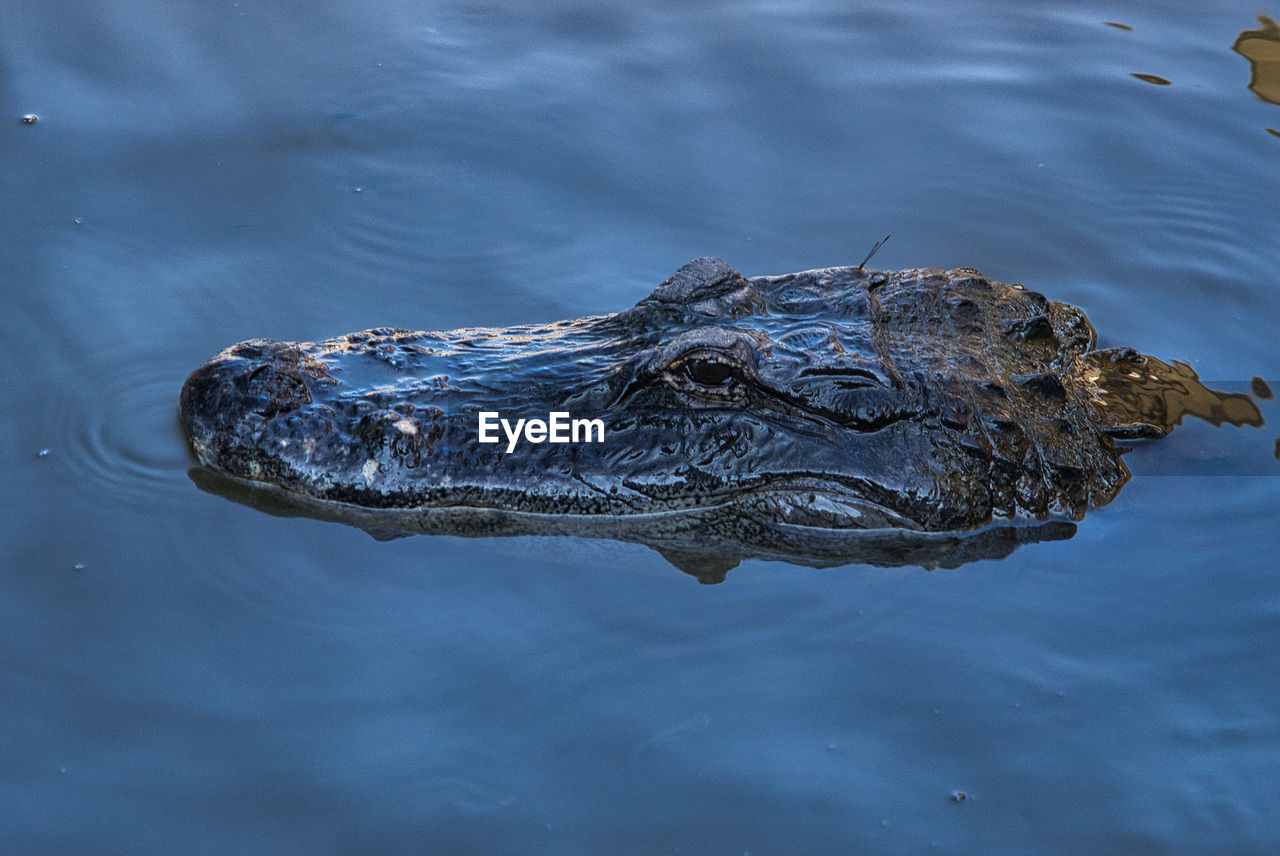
[182, 674]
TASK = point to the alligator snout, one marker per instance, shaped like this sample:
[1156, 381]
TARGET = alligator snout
[248, 383]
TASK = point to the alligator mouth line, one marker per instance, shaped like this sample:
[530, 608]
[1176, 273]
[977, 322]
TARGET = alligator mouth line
[798, 489]
[760, 505]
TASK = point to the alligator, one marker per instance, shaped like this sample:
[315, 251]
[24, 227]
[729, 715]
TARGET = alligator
[920, 416]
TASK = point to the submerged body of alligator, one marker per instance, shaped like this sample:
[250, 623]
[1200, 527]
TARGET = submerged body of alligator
[786, 408]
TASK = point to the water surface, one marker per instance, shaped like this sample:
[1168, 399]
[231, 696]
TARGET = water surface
[188, 675]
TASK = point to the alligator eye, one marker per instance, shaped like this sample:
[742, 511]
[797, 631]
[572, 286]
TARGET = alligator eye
[709, 372]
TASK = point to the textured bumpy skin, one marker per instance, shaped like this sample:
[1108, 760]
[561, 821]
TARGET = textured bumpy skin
[840, 398]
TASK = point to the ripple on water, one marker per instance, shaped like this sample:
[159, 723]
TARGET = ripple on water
[117, 431]
[307, 577]
[446, 167]
[1193, 221]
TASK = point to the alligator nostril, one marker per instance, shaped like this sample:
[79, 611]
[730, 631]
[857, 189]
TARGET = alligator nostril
[272, 389]
[248, 350]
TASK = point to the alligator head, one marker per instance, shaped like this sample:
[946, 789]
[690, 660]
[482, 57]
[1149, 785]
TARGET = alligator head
[840, 398]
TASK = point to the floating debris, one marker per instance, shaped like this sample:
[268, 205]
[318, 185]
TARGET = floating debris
[43, 453]
[1151, 78]
[958, 796]
[30, 119]
[1124, 27]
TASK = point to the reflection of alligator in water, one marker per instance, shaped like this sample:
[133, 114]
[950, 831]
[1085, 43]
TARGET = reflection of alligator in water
[836, 415]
